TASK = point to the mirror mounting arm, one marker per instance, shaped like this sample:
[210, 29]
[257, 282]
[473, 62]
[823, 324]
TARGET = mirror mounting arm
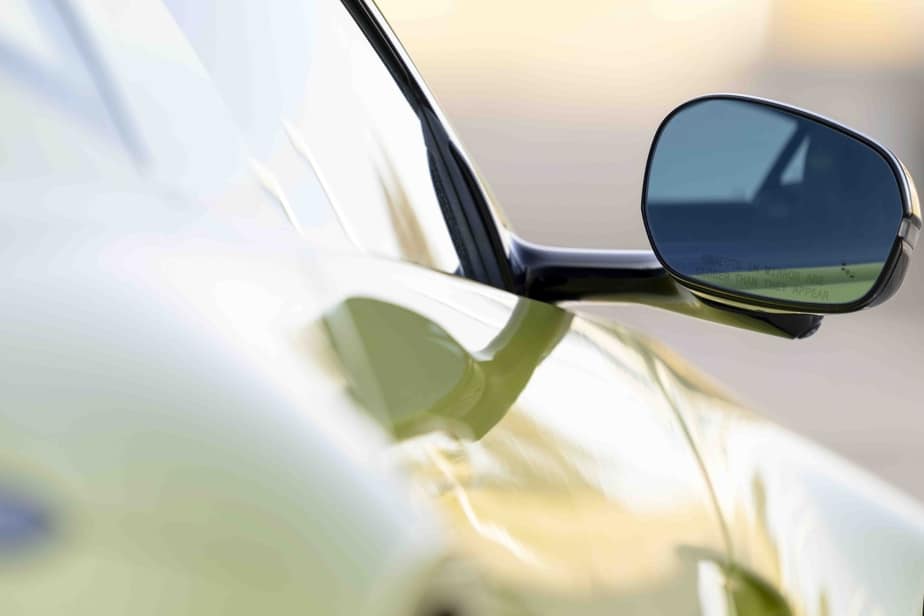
[556, 275]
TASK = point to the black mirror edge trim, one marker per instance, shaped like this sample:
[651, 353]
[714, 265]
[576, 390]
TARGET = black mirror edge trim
[558, 275]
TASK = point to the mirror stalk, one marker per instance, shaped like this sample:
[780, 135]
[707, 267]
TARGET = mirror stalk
[557, 275]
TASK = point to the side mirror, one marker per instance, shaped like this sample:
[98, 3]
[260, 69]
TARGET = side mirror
[754, 202]
[761, 216]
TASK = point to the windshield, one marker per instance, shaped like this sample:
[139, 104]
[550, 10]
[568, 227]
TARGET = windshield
[301, 76]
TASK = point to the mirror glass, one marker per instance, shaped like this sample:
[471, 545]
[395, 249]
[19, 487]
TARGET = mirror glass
[747, 197]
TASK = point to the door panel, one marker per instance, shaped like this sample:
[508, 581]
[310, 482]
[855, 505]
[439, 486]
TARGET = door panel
[582, 495]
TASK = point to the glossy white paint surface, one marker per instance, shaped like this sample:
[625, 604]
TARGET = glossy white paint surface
[173, 403]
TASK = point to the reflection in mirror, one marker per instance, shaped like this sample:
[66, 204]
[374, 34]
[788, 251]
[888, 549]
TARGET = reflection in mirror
[751, 198]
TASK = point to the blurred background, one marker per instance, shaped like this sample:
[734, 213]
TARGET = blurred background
[557, 103]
